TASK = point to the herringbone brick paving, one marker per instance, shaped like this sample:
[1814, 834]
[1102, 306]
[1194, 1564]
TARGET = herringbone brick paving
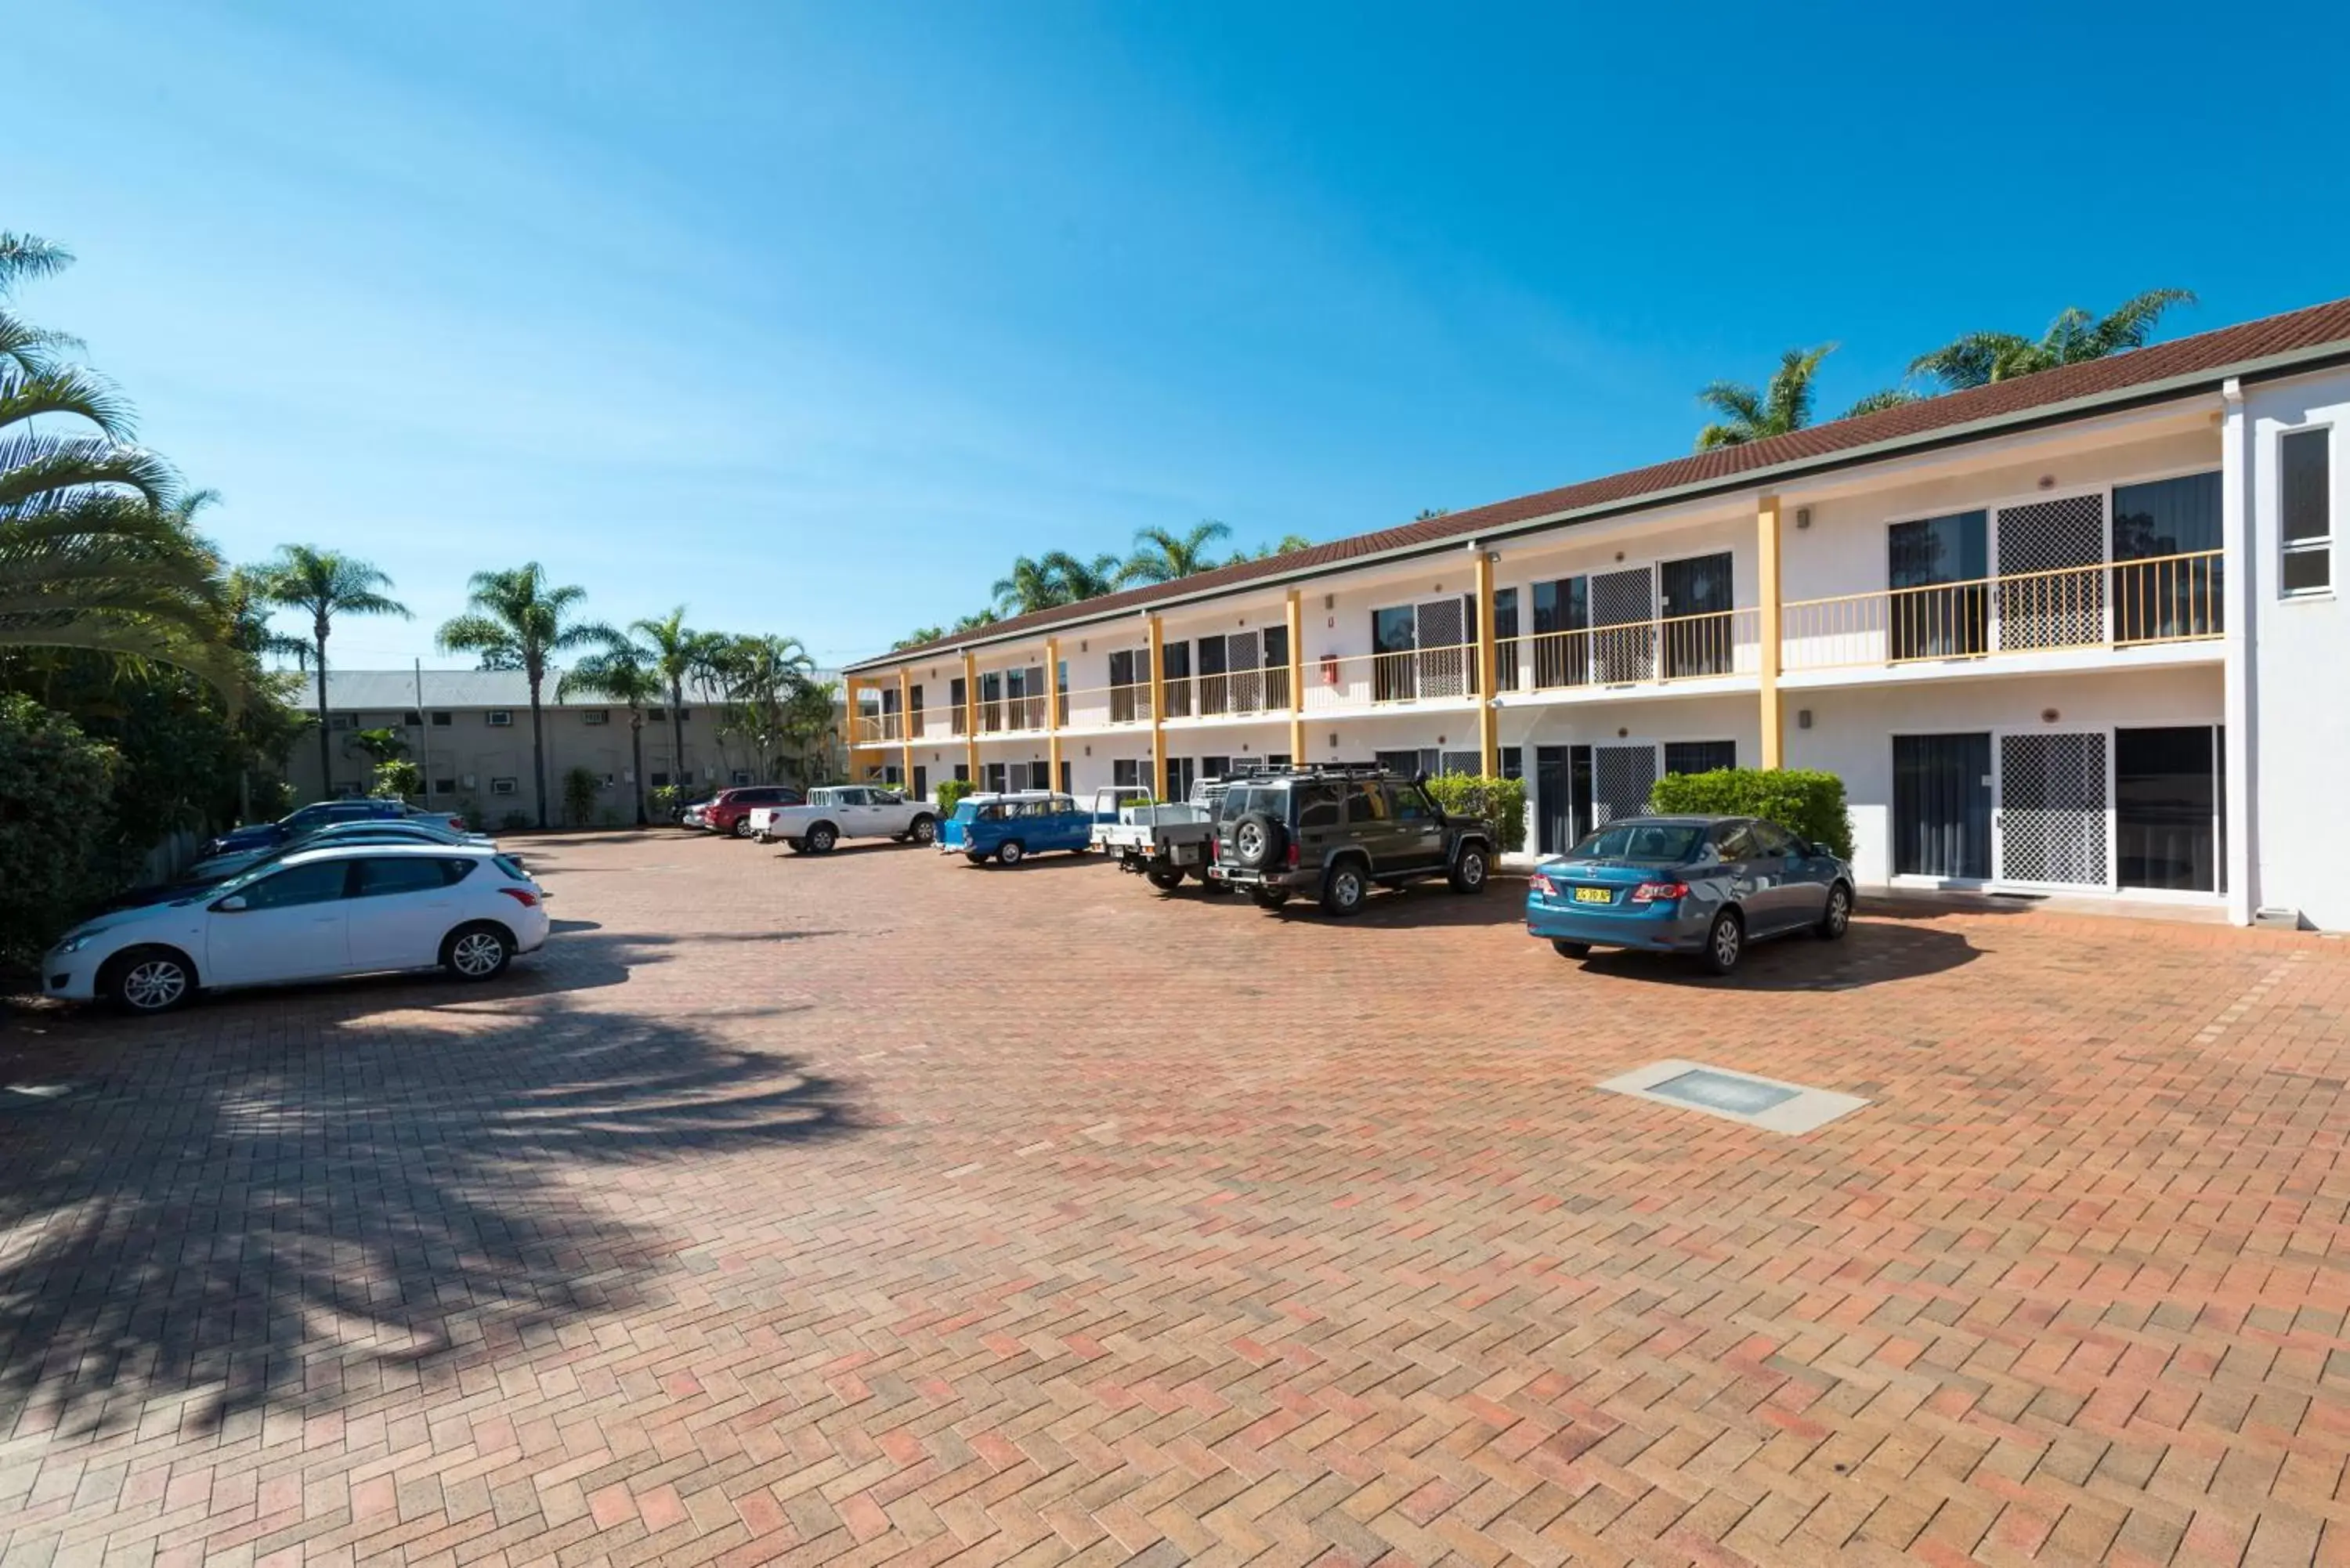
[878, 1209]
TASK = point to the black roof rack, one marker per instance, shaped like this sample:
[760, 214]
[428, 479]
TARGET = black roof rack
[1241, 770]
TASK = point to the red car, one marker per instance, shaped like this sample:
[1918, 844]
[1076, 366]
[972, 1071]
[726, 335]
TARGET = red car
[729, 811]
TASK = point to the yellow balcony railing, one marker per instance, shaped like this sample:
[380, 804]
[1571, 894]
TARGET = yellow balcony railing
[1398, 677]
[2111, 605]
[1227, 693]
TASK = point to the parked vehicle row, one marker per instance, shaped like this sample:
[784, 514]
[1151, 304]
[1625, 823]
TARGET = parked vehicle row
[729, 811]
[317, 913]
[309, 818]
[843, 811]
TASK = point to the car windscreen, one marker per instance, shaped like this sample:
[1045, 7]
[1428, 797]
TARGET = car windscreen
[1241, 801]
[967, 811]
[1662, 842]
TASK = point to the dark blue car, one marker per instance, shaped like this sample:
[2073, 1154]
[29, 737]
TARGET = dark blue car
[306, 819]
[1701, 885]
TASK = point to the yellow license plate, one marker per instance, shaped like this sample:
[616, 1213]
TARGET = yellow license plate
[1595, 895]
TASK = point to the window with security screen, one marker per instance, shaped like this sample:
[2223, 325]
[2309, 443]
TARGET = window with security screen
[2306, 504]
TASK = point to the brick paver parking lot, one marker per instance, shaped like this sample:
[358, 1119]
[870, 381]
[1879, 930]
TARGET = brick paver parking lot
[878, 1209]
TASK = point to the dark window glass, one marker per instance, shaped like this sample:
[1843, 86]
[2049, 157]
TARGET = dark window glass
[1410, 804]
[1700, 756]
[1734, 840]
[1506, 627]
[1936, 566]
[1126, 770]
[2308, 508]
[1770, 838]
[1366, 803]
[316, 883]
[1318, 806]
[2306, 571]
[407, 873]
[1215, 767]
[1562, 614]
[1514, 761]
[2157, 596]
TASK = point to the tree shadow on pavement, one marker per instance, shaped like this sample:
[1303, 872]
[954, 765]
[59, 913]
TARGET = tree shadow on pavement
[259, 1206]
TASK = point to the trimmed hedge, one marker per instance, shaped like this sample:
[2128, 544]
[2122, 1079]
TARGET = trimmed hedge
[1501, 802]
[949, 794]
[1805, 802]
[57, 856]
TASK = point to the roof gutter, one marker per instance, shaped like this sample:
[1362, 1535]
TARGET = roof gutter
[2268, 367]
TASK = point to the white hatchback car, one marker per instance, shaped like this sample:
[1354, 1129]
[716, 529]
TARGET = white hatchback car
[359, 909]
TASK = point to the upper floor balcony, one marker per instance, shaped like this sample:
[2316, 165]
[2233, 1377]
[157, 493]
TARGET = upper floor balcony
[2115, 607]
[2106, 607]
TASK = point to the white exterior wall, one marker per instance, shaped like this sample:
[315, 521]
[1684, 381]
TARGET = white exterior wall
[2297, 677]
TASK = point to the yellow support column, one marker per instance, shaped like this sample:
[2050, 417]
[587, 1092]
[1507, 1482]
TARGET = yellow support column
[1297, 683]
[1489, 720]
[850, 686]
[1157, 713]
[905, 729]
[1052, 708]
[1766, 547]
[971, 717]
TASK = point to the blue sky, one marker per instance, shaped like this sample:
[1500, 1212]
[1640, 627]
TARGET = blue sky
[812, 317]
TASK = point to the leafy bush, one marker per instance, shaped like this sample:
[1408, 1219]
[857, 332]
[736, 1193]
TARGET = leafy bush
[580, 785]
[514, 822]
[1501, 802]
[397, 781]
[56, 857]
[950, 793]
[664, 801]
[1806, 803]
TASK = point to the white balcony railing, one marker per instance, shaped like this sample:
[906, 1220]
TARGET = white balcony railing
[2115, 605]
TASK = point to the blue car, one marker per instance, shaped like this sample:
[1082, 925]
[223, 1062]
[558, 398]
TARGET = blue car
[1701, 885]
[1008, 828]
[306, 820]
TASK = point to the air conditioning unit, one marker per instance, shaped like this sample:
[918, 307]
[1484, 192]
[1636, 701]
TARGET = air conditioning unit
[499, 718]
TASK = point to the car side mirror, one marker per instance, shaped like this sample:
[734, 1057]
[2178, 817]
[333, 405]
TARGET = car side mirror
[230, 905]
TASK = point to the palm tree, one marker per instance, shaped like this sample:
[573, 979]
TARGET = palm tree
[975, 621]
[97, 550]
[679, 655]
[516, 616]
[627, 673]
[760, 676]
[1161, 556]
[1782, 406]
[1082, 579]
[1290, 545]
[326, 584]
[2075, 336]
[1031, 587]
[1878, 402]
[918, 637]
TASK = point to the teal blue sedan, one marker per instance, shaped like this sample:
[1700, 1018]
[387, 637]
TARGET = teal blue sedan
[1706, 885]
[1008, 828]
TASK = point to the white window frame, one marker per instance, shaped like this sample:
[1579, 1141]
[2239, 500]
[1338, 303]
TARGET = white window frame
[594, 715]
[501, 718]
[2325, 543]
[505, 786]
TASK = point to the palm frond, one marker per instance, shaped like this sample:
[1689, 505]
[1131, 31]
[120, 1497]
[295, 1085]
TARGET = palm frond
[1713, 436]
[1881, 400]
[1975, 359]
[1735, 401]
[24, 258]
[37, 462]
[2132, 322]
[63, 389]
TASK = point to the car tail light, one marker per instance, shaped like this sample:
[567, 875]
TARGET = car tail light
[1293, 858]
[1659, 892]
[523, 896]
[457, 824]
[1541, 884]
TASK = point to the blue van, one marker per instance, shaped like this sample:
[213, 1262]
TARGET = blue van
[1008, 828]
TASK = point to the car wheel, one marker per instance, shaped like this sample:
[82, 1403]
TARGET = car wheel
[1836, 919]
[149, 980]
[743, 828]
[1344, 889]
[796, 846]
[822, 837]
[1725, 942]
[764, 838]
[975, 859]
[925, 830]
[480, 951]
[1571, 949]
[1011, 852]
[1166, 879]
[1469, 871]
[1268, 898]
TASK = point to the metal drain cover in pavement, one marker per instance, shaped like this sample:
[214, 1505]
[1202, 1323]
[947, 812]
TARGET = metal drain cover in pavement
[1765, 1103]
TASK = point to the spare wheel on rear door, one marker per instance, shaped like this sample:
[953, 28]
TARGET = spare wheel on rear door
[1258, 841]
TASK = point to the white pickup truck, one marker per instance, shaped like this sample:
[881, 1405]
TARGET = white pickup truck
[1162, 843]
[845, 811]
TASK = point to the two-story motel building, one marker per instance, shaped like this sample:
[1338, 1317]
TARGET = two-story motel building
[2078, 632]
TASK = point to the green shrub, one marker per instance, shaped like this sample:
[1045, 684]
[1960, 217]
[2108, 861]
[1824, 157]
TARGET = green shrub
[663, 801]
[1805, 802]
[397, 781]
[56, 857]
[514, 822]
[950, 793]
[580, 785]
[1501, 802]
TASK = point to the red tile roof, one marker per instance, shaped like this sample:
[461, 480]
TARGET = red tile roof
[2206, 358]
